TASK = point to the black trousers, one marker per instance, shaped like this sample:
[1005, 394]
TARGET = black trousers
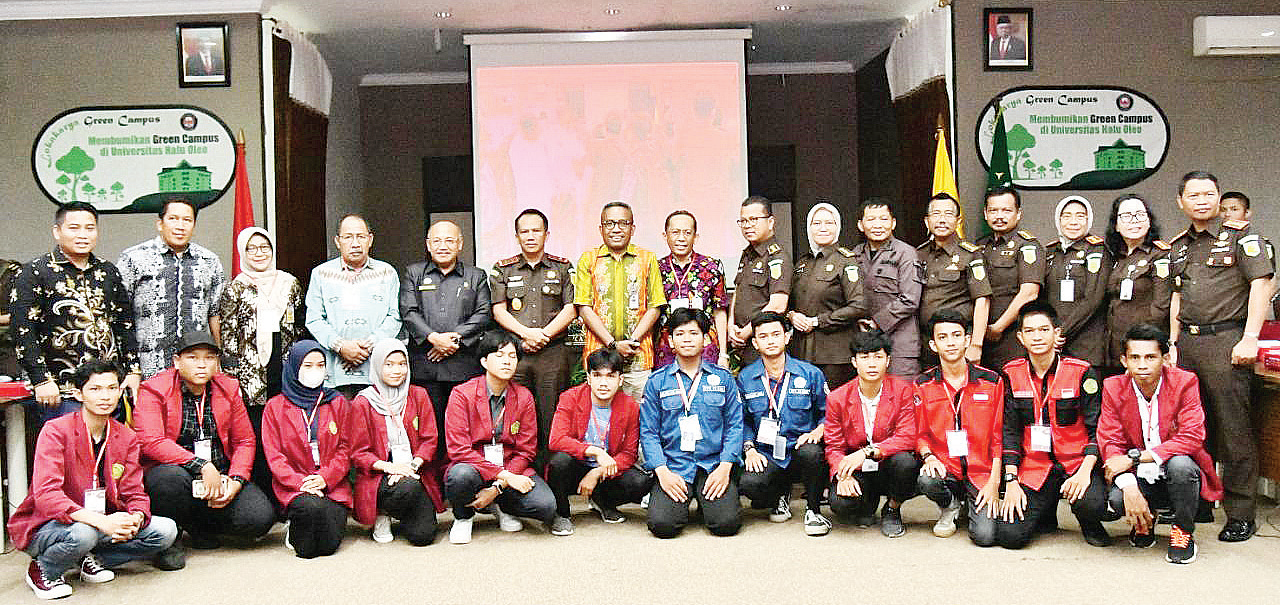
[564, 472]
[808, 465]
[1179, 490]
[723, 515]
[1042, 504]
[261, 475]
[438, 391]
[837, 373]
[316, 525]
[250, 514]
[464, 482]
[896, 479]
[546, 375]
[408, 501]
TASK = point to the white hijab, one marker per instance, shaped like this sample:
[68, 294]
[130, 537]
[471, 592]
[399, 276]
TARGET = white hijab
[1057, 216]
[385, 399]
[273, 286]
[813, 246]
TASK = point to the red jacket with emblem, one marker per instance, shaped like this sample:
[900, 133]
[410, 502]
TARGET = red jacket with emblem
[368, 433]
[286, 442]
[1181, 423]
[468, 427]
[892, 431]
[573, 412]
[981, 416]
[158, 420]
[1067, 399]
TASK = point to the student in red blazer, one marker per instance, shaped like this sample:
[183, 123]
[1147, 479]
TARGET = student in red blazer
[491, 429]
[864, 469]
[1161, 461]
[304, 433]
[393, 434]
[194, 427]
[87, 507]
[595, 439]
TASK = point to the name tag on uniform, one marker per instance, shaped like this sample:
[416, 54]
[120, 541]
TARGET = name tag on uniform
[203, 449]
[690, 432]
[780, 448]
[981, 397]
[1126, 289]
[1041, 438]
[315, 453]
[958, 443]
[768, 431]
[1016, 394]
[1068, 290]
[96, 500]
[493, 453]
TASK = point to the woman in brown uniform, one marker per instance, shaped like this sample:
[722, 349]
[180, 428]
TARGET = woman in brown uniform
[1139, 287]
[826, 298]
[1076, 268]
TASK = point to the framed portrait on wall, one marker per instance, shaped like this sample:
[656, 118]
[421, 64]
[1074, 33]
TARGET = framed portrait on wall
[1008, 41]
[203, 59]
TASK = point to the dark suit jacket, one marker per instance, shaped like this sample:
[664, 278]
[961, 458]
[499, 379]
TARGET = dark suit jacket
[195, 66]
[433, 302]
[1017, 49]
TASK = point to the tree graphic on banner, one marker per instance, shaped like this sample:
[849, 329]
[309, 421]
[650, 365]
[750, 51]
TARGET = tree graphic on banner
[75, 163]
[1019, 142]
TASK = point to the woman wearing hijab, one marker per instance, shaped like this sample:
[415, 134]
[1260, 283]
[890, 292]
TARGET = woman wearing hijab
[261, 311]
[1140, 286]
[393, 433]
[826, 298]
[1076, 270]
[304, 432]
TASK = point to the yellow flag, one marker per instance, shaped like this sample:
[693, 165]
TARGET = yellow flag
[944, 180]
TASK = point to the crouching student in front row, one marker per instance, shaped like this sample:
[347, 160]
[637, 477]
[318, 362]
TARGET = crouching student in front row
[304, 433]
[87, 507]
[595, 438]
[393, 434]
[691, 434]
[491, 429]
[871, 439]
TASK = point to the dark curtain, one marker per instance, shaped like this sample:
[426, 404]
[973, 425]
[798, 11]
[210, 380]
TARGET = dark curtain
[301, 226]
[918, 114]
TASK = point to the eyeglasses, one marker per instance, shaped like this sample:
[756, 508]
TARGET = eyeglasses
[452, 241]
[616, 224]
[350, 237]
[750, 221]
[946, 213]
[1136, 216]
[264, 248]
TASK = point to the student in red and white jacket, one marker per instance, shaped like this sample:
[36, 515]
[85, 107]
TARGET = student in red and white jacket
[1152, 437]
[194, 427]
[595, 439]
[1050, 450]
[87, 507]
[304, 433]
[491, 429]
[393, 434]
[871, 439]
[959, 416]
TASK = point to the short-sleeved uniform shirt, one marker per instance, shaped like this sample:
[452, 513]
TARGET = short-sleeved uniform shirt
[534, 293]
[699, 285]
[1012, 259]
[764, 269]
[955, 275]
[1212, 270]
[620, 291]
[827, 285]
[1144, 300]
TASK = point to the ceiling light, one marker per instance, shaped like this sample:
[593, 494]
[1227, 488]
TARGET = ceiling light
[443, 14]
[612, 11]
[782, 7]
[1268, 33]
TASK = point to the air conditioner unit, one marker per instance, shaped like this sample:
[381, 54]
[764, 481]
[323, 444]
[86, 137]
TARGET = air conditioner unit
[1236, 35]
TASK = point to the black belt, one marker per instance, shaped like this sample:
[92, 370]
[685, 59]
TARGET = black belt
[1213, 328]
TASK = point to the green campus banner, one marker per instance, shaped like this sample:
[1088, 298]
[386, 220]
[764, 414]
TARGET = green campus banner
[132, 158]
[1076, 137]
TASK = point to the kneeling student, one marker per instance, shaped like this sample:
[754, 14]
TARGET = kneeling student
[491, 428]
[393, 434]
[785, 401]
[87, 507]
[304, 433]
[870, 439]
[595, 438]
[1152, 436]
[959, 412]
[691, 434]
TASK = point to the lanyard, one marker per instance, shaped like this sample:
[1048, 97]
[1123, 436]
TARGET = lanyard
[200, 412]
[774, 407]
[601, 431]
[97, 462]
[1040, 397]
[954, 395]
[1151, 426]
[687, 397]
[310, 419]
[680, 281]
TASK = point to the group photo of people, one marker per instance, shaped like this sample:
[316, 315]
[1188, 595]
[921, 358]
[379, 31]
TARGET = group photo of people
[182, 406]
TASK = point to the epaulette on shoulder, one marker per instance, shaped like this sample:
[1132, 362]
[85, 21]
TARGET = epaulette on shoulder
[556, 259]
[1026, 234]
[1179, 235]
[969, 247]
[845, 251]
[1237, 225]
[1160, 244]
[507, 262]
[1093, 239]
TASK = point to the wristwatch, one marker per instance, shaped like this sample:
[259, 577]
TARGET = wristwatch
[748, 446]
[1135, 455]
[1010, 477]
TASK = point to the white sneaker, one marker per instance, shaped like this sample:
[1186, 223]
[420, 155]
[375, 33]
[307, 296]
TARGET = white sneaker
[94, 572]
[382, 529]
[946, 525]
[644, 502]
[287, 544]
[507, 523]
[815, 524]
[782, 512]
[460, 533]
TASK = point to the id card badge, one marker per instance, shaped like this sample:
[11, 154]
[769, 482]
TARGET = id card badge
[400, 454]
[198, 490]
[695, 302]
[768, 431]
[690, 432]
[96, 500]
[633, 301]
[958, 443]
[1041, 438]
[677, 303]
[1149, 471]
[780, 448]
[1068, 290]
[203, 449]
[870, 466]
[1126, 289]
[315, 453]
[493, 453]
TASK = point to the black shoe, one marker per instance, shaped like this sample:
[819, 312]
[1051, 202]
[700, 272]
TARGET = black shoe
[1142, 540]
[1182, 547]
[171, 559]
[1095, 534]
[1204, 513]
[1048, 523]
[1237, 530]
[205, 541]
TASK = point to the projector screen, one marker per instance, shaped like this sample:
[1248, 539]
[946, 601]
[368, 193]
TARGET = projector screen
[568, 122]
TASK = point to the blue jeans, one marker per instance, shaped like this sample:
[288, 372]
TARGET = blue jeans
[44, 414]
[58, 546]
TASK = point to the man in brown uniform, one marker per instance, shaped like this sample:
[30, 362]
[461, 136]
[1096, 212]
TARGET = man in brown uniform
[1221, 279]
[533, 299]
[829, 298]
[955, 276]
[763, 282]
[1076, 271]
[894, 279]
[1015, 264]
